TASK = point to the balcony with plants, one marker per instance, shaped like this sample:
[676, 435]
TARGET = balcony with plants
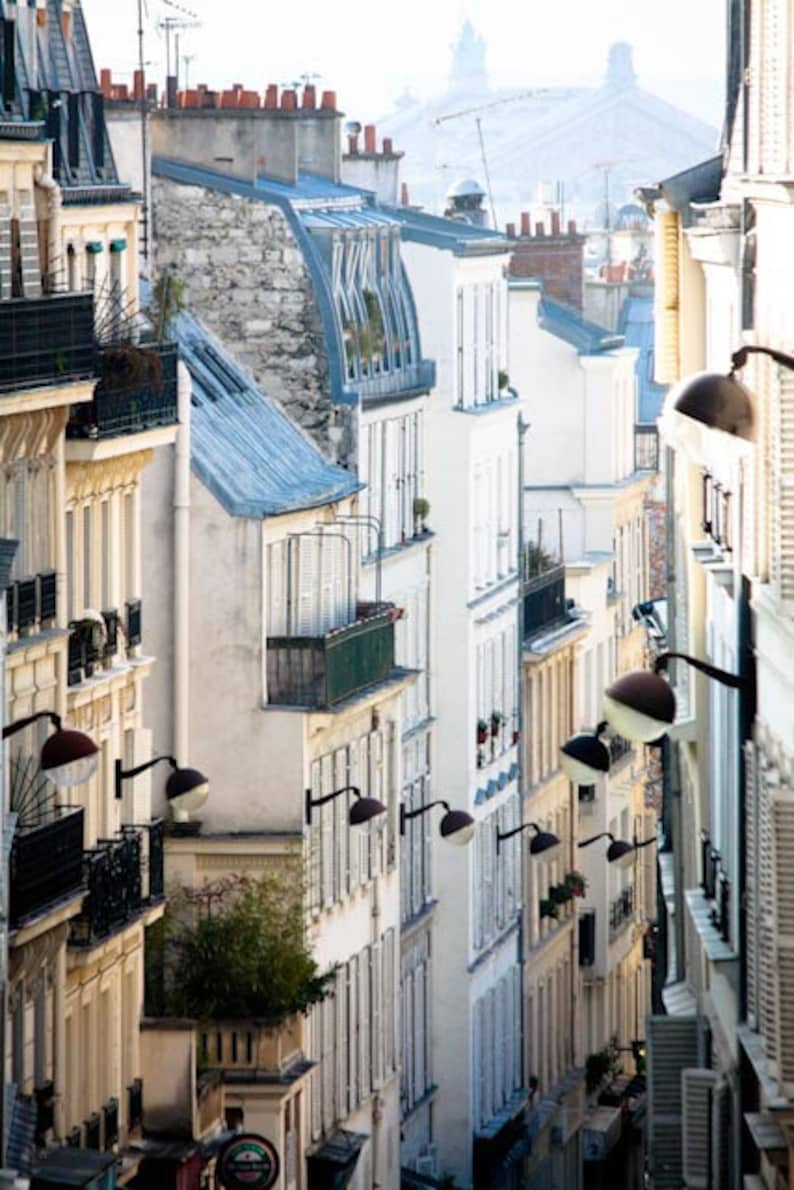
[325, 670]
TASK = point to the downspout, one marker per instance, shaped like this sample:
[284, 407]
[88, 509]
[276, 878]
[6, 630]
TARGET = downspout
[47, 182]
[181, 634]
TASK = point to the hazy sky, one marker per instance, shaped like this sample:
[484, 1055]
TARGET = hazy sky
[368, 51]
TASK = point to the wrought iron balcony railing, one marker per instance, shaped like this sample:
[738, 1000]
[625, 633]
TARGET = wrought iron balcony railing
[46, 341]
[621, 911]
[46, 866]
[321, 671]
[544, 601]
[137, 391]
[646, 448]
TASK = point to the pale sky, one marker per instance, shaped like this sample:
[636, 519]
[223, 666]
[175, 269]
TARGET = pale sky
[369, 51]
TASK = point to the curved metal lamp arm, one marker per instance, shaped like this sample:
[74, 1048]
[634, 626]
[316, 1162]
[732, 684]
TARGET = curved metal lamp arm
[329, 797]
[735, 681]
[121, 774]
[739, 358]
[406, 814]
[21, 724]
[595, 838]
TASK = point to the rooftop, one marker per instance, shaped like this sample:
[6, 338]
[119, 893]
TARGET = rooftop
[568, 324]
[244, 448]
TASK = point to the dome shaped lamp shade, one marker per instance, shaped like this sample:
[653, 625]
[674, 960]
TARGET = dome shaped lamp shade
[717, 402]
[584, 758]
[364, 809]
[621, 853]
[544, 843]
[640, 706]
[69, 757]
[187, 791]
[457, 827]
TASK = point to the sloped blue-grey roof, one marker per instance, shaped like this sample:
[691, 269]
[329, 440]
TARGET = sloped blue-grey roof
[243, 447]
[566, 323]
[637, 325]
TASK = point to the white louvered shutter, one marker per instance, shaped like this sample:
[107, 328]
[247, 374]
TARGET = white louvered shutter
[751, 899]
[667, 355]
[697, 1090]
[672, 1046]
[782, 823]
[782, 494]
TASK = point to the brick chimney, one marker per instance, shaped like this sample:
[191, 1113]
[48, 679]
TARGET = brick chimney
[556, 259]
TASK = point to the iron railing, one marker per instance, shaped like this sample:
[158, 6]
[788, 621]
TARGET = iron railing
[46, 866]
[137, 391]
[587, 938]
[46, 340]
[621, 911]
[135, 1104]
[646, 448]
[31, 602]
[114, 884]
[544, 600]
[321, 671]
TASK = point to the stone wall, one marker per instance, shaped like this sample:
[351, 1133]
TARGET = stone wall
[246, 280]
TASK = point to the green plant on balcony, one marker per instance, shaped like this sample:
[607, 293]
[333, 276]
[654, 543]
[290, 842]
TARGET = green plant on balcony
[577, 883]
[232, 950]
[549, 908]
[600, 1065]
[560, 894]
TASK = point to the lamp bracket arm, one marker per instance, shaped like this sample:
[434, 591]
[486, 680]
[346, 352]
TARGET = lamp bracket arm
[735, 681]
[739, 358]
[21, 724]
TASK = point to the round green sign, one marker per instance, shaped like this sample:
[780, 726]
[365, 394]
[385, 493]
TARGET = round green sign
[248, 1162]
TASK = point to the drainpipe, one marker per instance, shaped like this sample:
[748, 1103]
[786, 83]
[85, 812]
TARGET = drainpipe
[48, 183]
[181, 732]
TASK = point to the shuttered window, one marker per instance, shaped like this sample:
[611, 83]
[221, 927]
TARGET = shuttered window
[667, 354]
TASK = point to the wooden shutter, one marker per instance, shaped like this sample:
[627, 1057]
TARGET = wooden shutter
[782, 823]
[697, 1090]
[672, 1046]
[667, 353]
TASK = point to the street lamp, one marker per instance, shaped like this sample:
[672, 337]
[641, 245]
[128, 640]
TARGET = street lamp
[585, 757]
[68, 757]
[186, 789]
[619, 851]
[456, 826]
[363, 809]
[542, 842]
[640, 705]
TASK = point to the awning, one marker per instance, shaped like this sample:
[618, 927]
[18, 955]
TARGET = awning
[74, 1167]
[331, 1166]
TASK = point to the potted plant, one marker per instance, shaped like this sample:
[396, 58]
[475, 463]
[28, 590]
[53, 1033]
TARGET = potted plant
[549, 908]
[576, 883]
[421, 513]
[497, 719]
[482, 731]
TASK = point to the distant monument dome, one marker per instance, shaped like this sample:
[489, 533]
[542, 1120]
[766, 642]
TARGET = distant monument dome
[464, 201]
[468, 71]
[631, 217]
[620, 66]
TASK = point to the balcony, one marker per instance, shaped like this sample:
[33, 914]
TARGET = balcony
[46, 341]
[137, 391]
[123, 875]
[46, 867]
[322, 671]
[31, 604]
[544, 601]
[621, 912]
[646, 448]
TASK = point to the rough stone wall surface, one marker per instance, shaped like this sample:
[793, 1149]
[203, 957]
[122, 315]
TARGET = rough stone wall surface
[246, 280]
